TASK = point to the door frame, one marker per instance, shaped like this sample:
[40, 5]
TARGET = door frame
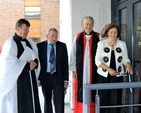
[116, 6]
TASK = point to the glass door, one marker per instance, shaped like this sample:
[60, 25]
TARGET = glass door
[129, 20]
[122, 12]
[137, 52]
[123, 23]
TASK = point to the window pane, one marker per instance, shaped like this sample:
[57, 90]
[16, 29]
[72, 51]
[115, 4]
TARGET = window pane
[32, 12]
[36, 40]
[32, 9]
[32, 15]
[123, 24]
[35, 29]
[137, 54]
[32, 2]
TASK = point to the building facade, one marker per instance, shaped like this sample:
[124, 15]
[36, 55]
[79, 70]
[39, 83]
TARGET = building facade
[66, 16]
[42, 14]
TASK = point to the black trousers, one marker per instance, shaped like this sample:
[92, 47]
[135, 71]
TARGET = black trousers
[53, 91]
[110, 97]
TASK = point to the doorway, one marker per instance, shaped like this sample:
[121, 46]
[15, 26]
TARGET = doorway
[128, 17]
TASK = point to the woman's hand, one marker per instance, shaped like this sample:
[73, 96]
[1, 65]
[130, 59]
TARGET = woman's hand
[111, 71]
[129, 68]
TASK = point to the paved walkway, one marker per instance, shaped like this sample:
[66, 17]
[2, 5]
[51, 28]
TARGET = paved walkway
[68, 109]
[67, 105]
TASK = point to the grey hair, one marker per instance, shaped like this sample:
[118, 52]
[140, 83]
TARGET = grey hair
[52, 29]
[88, 17]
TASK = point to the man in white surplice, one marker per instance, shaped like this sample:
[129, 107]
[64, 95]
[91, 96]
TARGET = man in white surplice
[19, 69]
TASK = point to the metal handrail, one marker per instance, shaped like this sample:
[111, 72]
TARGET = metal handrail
[102, 86]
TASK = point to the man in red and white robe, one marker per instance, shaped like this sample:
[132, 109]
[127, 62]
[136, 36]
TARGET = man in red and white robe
[82, 64]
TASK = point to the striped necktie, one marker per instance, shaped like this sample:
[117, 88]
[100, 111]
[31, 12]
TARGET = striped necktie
[52, 59]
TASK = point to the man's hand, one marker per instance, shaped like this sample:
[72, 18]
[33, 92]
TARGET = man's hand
[66, 84]
[74, 74]
[32, 64]
[39, 84]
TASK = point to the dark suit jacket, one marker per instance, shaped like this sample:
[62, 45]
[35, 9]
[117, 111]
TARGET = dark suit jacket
[61, 61]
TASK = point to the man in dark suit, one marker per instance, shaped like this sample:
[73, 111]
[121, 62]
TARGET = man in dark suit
[53, 77]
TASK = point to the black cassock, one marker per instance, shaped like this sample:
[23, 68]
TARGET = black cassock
[27, 89]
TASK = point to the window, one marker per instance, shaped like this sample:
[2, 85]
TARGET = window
[33, 15]
[32, 12]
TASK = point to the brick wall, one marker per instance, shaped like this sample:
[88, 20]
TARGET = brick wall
[12, 10]
[49, 16]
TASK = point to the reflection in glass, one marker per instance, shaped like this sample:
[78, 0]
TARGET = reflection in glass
[123, 29]
[137, 56]
[123, 24]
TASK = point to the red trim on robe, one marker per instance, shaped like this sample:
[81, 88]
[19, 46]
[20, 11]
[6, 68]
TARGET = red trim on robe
[78, 106]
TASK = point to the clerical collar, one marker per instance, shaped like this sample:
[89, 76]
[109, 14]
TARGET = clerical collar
[20, 38]
[23, 39]
[88, 33]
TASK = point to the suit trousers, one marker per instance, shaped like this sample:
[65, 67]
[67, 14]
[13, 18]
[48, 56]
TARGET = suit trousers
[53, 92]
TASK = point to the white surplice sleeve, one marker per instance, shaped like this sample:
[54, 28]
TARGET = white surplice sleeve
[35, 55]
[10, 67]
[27, 57]
[72, 66]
